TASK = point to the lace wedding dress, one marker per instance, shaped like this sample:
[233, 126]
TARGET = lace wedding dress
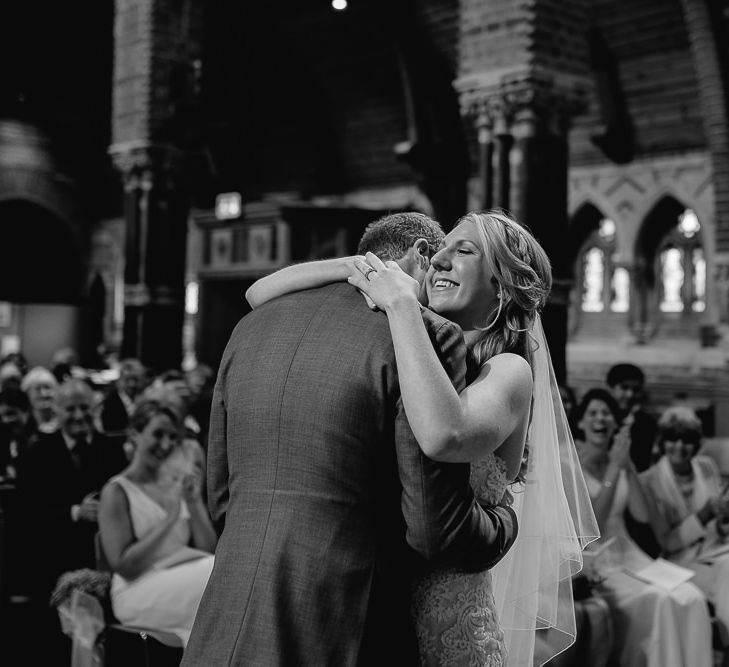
[454, 611]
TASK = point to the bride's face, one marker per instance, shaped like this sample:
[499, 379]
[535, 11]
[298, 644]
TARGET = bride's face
[459, 283]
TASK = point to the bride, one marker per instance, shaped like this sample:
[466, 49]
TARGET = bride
[491, 277]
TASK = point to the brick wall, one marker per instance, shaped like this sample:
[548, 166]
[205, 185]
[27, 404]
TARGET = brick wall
[650, 45]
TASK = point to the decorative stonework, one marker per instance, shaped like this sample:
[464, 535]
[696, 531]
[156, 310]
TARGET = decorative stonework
[501, 98]
[627, 193]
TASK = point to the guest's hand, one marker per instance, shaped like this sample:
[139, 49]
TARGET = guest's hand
[619, 455]
[88, 510]
[386, 284]
[720, 507]
[172, 503]
[192, 487]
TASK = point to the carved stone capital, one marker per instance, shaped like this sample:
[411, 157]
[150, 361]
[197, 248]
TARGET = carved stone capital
[142, 164]
[538, 98]
[145, 156]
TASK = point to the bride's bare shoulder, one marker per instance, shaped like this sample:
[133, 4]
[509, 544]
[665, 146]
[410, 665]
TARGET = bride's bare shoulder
[508, 364]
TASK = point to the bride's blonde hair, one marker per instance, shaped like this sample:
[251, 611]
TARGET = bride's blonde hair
[523, 277]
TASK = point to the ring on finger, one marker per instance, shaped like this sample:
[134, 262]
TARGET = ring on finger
[368, 271]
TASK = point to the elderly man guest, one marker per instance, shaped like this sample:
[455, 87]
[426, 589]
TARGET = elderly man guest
[60, 480]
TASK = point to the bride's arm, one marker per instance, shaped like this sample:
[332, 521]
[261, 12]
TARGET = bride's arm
[447, 425]
[299, 277]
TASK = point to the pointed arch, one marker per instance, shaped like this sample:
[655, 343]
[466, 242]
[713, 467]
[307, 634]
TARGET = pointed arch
[583, 223]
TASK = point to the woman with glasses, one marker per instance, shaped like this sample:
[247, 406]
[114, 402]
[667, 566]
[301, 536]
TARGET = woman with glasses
[694, 504]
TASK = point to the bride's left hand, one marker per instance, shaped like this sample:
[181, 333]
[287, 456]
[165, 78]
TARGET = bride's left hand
[386, 284]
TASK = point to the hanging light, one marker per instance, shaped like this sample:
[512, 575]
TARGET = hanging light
[339, 5]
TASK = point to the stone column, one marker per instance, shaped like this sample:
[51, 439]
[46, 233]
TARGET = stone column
[157, 45]
[485, 160]
[527, 64]
[154, 271]
[530, 114]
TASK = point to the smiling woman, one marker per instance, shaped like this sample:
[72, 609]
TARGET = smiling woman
[155, 531]
[694, 503]
[460, 284]
[491, 277]
[672, 627]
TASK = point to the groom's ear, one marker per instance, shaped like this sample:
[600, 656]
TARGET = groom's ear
[422, 253]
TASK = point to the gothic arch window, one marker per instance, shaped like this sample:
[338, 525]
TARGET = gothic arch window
[601, 294]
[681, 268]
[673, 290]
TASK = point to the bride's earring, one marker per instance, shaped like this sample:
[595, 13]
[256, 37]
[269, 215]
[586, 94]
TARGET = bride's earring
[498, 311]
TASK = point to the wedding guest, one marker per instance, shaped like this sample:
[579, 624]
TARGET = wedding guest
[653, 626]
[59, 483]
[201, 380]
[61, 478]
[693, 503]
[627, 386]
[10, 375]
[155, 531]
[40, 385]
[175, 381]
[118, 403]
[14, 414]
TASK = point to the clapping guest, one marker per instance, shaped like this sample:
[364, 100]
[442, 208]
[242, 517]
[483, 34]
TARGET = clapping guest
[627, 386]
[687, 488]
[61, 478]
[653, 626]
[59, 483]
[155, 530]
[40, 385]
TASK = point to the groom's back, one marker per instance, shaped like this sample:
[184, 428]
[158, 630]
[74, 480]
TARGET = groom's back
[314, 539]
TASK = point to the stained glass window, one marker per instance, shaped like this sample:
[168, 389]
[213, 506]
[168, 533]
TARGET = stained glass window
[594, 274]
[698, 301]
[672, 277]
[620, 302]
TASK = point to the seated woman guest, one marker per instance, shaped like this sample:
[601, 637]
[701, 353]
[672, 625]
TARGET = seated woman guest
[687, 488]
[653, 626]
[155, 531]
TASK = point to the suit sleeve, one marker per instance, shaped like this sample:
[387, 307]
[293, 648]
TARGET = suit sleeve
[444, 521]
[217, 455]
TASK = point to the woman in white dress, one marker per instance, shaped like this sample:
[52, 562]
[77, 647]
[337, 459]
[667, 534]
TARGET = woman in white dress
[654, 627]
[155, 530]
[491, 277]
[694, 504]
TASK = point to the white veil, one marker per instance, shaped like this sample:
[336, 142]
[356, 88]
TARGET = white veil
[533, 583]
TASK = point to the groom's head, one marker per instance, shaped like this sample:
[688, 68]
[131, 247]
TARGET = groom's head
[410, 239]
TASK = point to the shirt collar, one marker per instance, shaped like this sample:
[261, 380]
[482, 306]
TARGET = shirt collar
[71, 443]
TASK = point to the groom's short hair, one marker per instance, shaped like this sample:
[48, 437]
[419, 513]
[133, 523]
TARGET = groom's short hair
[391, 236]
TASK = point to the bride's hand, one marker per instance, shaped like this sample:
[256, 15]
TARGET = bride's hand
[385, 284]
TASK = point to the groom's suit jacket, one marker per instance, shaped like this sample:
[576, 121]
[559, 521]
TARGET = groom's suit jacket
[329, 505]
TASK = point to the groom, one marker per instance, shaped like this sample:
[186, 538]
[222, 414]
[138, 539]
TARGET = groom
[329, 505]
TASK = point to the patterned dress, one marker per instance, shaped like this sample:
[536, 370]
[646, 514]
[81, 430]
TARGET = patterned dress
[454, 612]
